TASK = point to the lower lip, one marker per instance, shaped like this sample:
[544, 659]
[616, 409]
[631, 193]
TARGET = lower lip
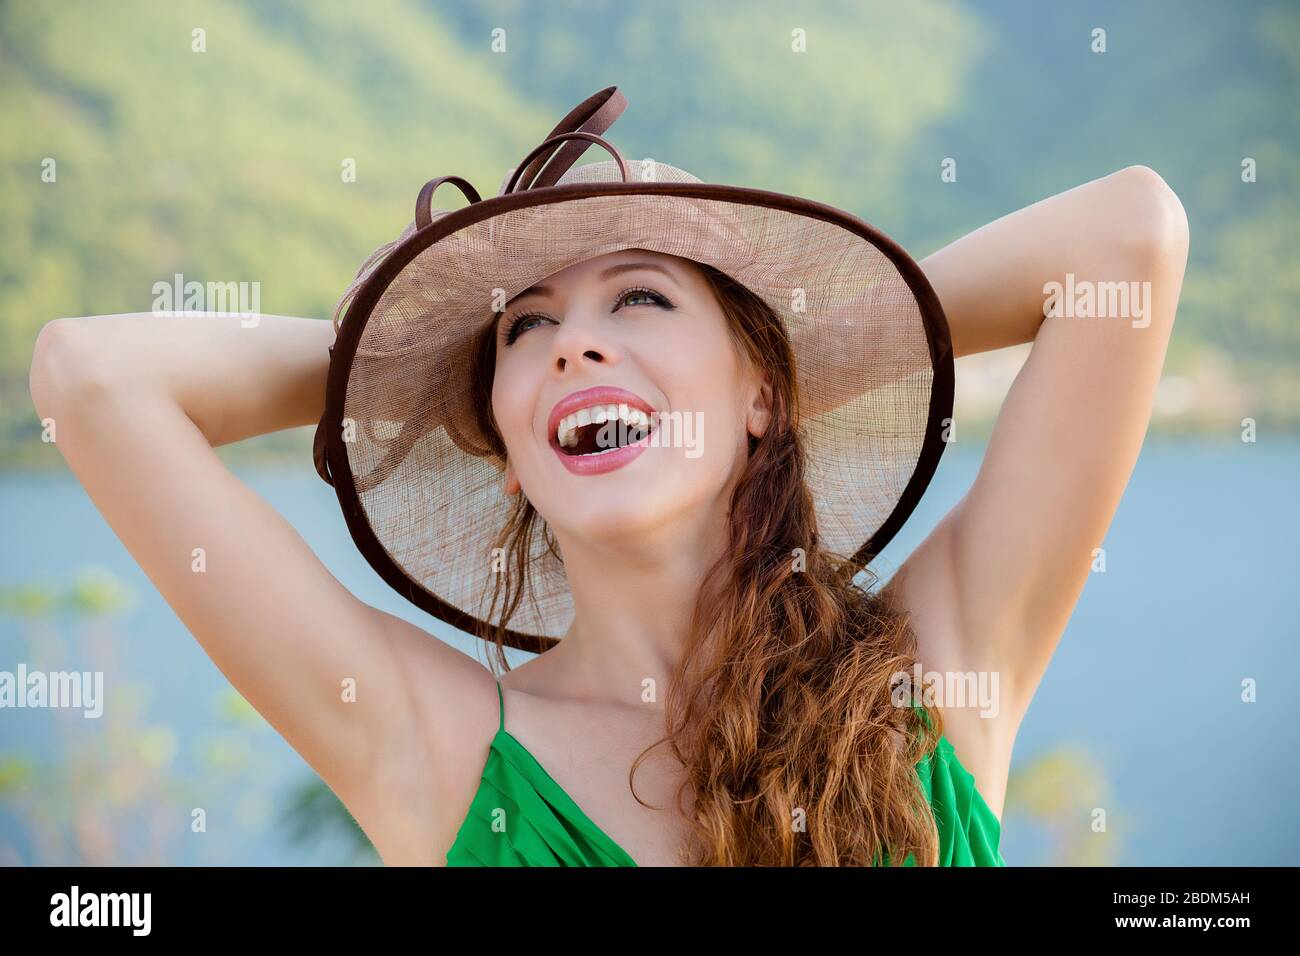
[606, 461]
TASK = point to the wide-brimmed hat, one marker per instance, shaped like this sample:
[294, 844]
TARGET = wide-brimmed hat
[402, 438]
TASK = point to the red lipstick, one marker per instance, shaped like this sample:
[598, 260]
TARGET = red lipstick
[608, 460]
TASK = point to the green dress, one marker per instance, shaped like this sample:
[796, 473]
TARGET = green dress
[541, 825]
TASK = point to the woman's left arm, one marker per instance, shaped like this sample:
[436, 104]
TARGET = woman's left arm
[991, 589]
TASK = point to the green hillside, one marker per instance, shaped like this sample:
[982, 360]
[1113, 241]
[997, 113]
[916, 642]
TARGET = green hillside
[226, 165]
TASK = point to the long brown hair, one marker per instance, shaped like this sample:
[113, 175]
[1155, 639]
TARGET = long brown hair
[782, 709]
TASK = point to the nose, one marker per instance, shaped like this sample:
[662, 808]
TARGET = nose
[582, 339]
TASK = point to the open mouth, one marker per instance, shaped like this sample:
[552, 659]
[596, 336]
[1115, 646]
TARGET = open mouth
[602, 430]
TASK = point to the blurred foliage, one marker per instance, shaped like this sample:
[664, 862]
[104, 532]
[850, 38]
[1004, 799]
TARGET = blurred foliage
[225, 165]
[313, 812]
[92, 592]
[15, 773]
[121, 789]
[233, 708]
[1056, 795]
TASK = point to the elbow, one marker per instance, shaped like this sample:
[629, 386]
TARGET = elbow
[1154, 230]
[67, 369]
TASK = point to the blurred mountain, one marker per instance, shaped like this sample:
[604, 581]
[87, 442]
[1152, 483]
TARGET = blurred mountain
[211, 140]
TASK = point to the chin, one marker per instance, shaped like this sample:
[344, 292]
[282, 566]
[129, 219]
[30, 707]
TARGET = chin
[613, 520]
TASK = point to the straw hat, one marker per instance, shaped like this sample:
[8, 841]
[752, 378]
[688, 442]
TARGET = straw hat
[402, 441]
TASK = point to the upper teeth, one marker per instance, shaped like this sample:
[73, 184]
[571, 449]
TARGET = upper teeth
[567, 430]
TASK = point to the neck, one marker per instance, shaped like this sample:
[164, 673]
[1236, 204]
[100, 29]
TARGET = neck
[633, 601]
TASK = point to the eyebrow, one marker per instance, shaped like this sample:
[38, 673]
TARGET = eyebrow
[606, 274]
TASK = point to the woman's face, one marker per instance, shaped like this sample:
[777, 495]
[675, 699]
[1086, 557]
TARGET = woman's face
[644, 330]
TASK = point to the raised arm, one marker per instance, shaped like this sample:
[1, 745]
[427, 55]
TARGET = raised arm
[992, 588]
[137, 403]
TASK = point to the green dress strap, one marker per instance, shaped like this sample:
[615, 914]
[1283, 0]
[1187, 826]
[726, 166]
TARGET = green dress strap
[521, 817]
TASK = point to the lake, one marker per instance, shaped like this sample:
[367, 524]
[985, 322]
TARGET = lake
[1200, 573]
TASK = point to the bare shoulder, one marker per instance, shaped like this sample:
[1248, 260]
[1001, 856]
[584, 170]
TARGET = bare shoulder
[425, 778]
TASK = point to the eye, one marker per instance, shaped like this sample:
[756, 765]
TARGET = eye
[638, 295]
[519, 324]
[642, 296]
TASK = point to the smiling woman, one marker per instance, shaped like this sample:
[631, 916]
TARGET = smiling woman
[604, 422]
[639, 354]
[711, 542]
[701, 600]
[700, 619]
[717, 681]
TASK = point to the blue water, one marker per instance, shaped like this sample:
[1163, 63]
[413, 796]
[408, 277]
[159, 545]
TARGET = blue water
[1201, 571]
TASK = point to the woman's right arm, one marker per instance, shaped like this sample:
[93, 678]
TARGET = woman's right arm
[137, 403]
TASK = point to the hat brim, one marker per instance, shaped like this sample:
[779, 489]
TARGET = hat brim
[423, 506]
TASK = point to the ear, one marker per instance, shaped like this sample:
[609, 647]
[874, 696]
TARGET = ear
[512, 483]
[760, 408]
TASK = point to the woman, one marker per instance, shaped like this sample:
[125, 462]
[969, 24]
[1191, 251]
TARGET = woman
[721, 692]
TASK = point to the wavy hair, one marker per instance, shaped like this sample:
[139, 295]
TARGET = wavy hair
[782, 709]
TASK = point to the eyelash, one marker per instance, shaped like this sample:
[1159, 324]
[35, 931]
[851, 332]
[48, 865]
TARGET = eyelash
[512, 332]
